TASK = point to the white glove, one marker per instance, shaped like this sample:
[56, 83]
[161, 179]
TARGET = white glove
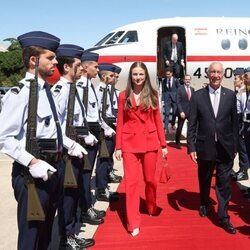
[77, 150]
[109, 132]
[40, 170]
[90, 139]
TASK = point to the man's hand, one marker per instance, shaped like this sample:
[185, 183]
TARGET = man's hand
[90, 139]
[167, 62]
[193, 156]
[40, 169]
[109, 132]
[77, 150]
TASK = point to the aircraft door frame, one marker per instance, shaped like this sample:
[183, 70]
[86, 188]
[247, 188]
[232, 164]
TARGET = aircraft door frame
[164, 35]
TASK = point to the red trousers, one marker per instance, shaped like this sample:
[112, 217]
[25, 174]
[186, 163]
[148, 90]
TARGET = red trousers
[133, 162]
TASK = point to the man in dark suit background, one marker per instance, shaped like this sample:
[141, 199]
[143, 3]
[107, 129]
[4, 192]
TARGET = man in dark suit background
[174, 55]
[184, 94]
[169, 88]
[212, 141]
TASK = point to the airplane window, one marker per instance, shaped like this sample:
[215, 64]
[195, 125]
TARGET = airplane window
[129, 37]
[242, 43]
[115, 37]
[225, 44]
[104, 39]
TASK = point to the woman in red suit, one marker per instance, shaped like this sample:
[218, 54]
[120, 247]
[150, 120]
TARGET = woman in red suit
[139, 134]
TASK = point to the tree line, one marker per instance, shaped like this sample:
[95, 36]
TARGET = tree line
[11, 65]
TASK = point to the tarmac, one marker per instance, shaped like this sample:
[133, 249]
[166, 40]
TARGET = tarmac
[8, 206]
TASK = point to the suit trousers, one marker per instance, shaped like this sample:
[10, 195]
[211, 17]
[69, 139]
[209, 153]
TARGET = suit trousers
[133, 163]
[168, 105]
[176, 69]
[179, 129]
[67, 209]
[103, 165]
[85, 190]
[223, 166]
[36, 235]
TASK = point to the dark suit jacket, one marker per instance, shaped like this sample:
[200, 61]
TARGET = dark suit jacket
[203, 124]
[138, 131]
[168, 51]
[172, 92]
[183, 104]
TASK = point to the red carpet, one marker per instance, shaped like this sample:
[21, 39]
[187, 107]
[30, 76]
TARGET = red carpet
[178, 225]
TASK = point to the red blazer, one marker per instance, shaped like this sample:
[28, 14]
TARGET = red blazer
[138, 131]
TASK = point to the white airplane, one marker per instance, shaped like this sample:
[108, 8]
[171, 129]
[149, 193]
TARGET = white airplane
[205, 40]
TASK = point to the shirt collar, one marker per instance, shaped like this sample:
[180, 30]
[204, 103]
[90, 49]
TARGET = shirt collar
[212, 91]
[29, 76]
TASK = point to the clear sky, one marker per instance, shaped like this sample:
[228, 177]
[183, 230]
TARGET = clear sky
[85, 22]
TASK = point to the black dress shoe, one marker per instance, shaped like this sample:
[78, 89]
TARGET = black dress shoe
[203, 211]
[178, 145]
[68, 242]
[113, 178]
[242, 175]
[84, 243]
[228, 227]
[100, 213]
[90, 217]
[106, 195]
[247, 193]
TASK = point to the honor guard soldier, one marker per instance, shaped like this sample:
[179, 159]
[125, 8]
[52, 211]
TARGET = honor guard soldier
[72, 117]
[106, 75]
[89, 62]
[32, 136]
[113, 95]
[243, 110]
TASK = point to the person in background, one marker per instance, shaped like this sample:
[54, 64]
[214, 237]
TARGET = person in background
[239, 85]
[32, 166]
[69, 66]
[184, 94]
[139, 135]
[170, 85]
[174, 55]
[86, 90]
[106, 74]
[243, 109]
[113, 94]
[213, 141]
[240, 88]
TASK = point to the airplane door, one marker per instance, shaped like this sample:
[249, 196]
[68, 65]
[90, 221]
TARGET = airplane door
[164, 35]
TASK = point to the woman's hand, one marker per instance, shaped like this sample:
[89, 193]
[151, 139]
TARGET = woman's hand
[118, 154]
[164, 152]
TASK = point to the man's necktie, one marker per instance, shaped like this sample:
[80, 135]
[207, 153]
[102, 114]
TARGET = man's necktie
[174, 53]
[93, 89]
[84, 113]
[85, 96]
[216, 103]
[169, 83]
[54, 112]
[114, 113]
[188, 93]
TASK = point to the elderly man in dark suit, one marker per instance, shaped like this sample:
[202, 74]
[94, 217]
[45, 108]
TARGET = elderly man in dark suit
[174, 55]
[169, 88]
[212, 141]
[184, 94]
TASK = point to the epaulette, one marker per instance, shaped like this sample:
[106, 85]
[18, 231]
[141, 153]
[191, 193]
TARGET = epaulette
[57, 88]
[80, 84]
[17, 89]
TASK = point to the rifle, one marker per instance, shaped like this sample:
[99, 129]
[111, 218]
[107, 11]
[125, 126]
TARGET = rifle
[69, 178]
[103, 152]
[34, 207]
